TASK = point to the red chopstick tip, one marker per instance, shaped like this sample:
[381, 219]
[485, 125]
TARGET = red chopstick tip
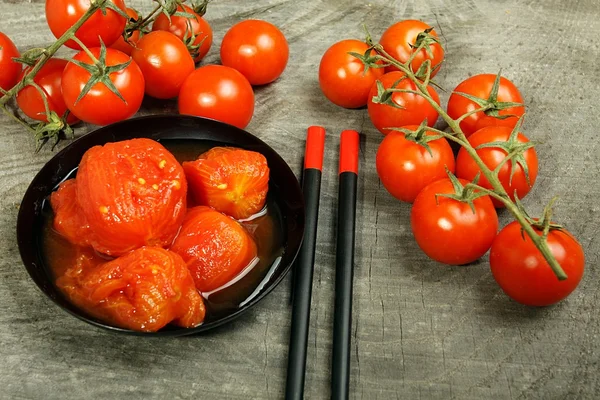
[315, 146]
[349, 152]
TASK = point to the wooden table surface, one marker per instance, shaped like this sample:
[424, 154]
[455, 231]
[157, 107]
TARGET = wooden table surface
[421, 329]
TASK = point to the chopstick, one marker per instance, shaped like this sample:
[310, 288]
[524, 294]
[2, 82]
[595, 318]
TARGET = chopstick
[344, 270]
[302, 289]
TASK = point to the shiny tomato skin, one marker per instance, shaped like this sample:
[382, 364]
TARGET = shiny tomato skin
[9, 69]
[466, 167]
[133, 193]
[415, 108]
[217, 92]
[230, 180]
[214, 246]
[180, 26]
[258, 49]
[143, 290]
[341, 76]
[447, 230]
[405, 167]
[49, 78]
[399, 37]
[522, 271]
[69, 220]
[481, 86]
[100, 106]
[120, 44]
[63, 14]
[165, 63]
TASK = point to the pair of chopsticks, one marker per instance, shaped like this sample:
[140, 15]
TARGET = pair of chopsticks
[311, 187]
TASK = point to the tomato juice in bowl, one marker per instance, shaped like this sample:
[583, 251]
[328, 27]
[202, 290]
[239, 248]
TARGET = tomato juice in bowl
[277, 229]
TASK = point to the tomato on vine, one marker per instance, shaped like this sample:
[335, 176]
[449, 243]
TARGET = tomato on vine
[524, 274]
[411, 159]
[453, 224]
[344, 77]
[9, 69]
[105, 25]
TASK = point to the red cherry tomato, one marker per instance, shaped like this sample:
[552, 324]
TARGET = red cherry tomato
[415, 109]
[100, 105]
[342, 76]
[218, 92]
[448, 230]
[406, 167]
[106, 26]
[257, 49]
[184, 27]
[9, 69]
[397, 41]
[49, 78]
[165, 63]
[121, 44]
[492, 157]
[524, 274]
[481, 86]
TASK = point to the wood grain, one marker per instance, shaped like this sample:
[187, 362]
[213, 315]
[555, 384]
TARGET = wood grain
[421, 330]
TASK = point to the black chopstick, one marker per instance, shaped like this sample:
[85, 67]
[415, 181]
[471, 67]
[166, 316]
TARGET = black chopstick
[344, 270]
[302, 290]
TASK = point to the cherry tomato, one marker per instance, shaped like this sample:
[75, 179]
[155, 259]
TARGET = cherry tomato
[127, 46]
[492, 156]
[9, 69]
[100, 105]
[218, 92]
[524, 274]
[405, 167]
[342, 76]
[184, 27]
[106, 26]
[165, 63]
[49, 79]
[398, 39]
[69, 220]
[257, 49]
[415, 109]
[144, 290]
[132, 193]
[230, 180]
[448, 230]
[481, 86]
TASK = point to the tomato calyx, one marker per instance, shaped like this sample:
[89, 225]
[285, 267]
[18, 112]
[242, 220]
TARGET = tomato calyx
[370, 61]
[420, 136]
[31, 56]
[54, 129]
[169, 8]
[100, 72]
[465, 194]
[543, 224]
[385, 96]
[201, 7]
[134, 24]
[189, 39]
[104, 4]
[491, 106]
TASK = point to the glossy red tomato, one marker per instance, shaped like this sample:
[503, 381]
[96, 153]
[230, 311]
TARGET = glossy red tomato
[127, 46]
[405, 167]
[106, 26]
[184, 27]
[524, 274]
[218, 92]
[230, 180]
[49, 78]
[257, 49]
[144, 290]
[132, 193]
[165, 63]
[69, 220]
[448, 230]
[415, 109]
[342, 76]
[398, 39]
[100, 105]
[9, 69]
[215, 247]
[492, 157]
[481, 86]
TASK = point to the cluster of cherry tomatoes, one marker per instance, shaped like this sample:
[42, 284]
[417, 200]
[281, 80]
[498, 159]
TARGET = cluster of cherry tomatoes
[105, 85]
[452, 223]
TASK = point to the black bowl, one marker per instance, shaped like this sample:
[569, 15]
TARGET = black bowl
[283, 187]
